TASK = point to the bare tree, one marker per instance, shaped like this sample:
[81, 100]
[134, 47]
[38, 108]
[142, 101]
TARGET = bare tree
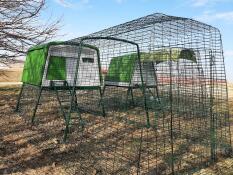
[21, 27]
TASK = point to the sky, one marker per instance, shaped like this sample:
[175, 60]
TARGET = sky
[81, 17]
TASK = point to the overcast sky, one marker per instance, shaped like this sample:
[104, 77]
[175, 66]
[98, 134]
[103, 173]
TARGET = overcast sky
[81, 17]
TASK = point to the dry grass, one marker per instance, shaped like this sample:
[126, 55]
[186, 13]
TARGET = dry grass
[10, 75]
[26, 149]
[37, 150]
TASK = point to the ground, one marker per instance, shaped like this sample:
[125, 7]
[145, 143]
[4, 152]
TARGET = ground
[26, 149]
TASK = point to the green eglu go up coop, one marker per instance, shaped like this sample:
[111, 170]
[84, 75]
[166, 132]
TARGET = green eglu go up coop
[52, 67]
[150, 96]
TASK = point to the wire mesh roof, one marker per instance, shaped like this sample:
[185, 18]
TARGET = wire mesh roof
[145, 22]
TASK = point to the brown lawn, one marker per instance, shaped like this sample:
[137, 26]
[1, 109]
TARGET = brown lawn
[26, 149]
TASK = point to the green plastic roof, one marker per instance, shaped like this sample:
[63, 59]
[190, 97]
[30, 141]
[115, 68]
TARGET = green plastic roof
[165, 54]
[46, 45]
[121, 68]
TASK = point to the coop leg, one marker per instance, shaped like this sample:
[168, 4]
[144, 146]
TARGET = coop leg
[127, 96]
[157, 92]
[103, 90]
[160, 106]
[81, 121]
[140, 152]
[76, 99]
[19, 98]
[75, 96]
[67, 121]
[102, 103]
[68, 116]
[157, 95]
[75, 102]
[35, 109]
[146, 107]
[60, 104]
[156, 114]
[131, 92]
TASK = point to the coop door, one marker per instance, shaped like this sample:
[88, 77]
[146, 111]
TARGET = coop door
[148, 74]
[56, 68]
[88, 72]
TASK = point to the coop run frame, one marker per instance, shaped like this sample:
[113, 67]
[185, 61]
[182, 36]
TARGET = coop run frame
[177, 119]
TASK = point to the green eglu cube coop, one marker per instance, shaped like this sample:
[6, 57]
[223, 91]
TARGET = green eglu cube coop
[145, 97]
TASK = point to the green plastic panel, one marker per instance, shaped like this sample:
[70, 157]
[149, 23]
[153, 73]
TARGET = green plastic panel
[56, 68]
[121, 68]
[165, 54]
[33, 67]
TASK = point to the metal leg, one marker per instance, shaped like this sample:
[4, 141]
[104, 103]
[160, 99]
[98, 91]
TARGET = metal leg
[75, 96]
[34, 112]
[19, 98]
[143, 89]
[76, 109]
[145, 106]
[156, 81]
[131, 92]
[68, 116]
[76, 101]
[127, 96]
[67, 121]
[103, 90]
[158, 97]
[101, 102]
[60, 104]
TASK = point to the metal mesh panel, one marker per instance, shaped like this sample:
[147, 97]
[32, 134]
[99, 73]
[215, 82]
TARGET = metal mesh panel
[162, 109]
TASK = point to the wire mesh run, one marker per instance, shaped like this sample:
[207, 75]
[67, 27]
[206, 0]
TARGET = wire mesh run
[149, 96]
